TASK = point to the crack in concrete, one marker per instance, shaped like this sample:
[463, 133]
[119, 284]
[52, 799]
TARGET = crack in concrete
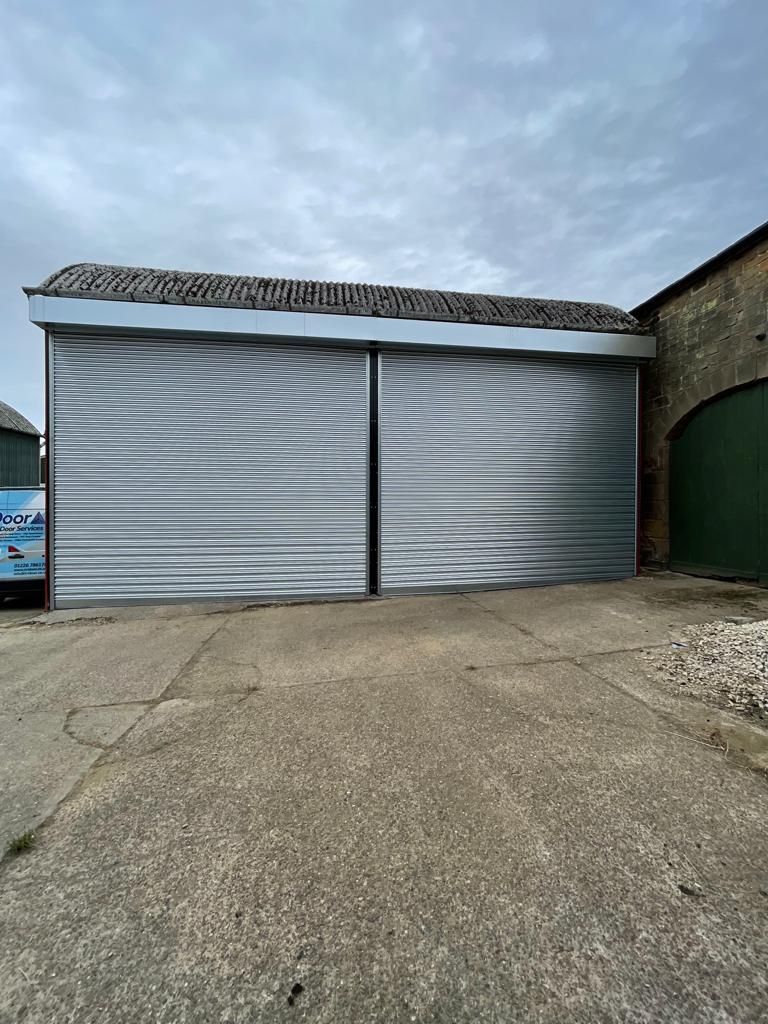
[525, 630]
[161, 697]
[68, 730]
[575, 658]
[456, 666]
[685, 728]
[235, 607]
[104, 750]
[193, 658]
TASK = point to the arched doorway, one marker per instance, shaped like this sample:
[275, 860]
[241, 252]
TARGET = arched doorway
[719, 488]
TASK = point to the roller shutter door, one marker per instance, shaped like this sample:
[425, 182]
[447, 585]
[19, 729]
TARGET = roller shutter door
[505, 470]
[204, 468]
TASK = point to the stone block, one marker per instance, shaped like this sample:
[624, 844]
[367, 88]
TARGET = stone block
[655, 510]
[745, 369]
[654, 490]
[724, 378]
[656, 529]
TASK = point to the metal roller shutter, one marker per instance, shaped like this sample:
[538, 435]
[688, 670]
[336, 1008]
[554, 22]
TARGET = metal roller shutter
[504, 470]
[203, 468]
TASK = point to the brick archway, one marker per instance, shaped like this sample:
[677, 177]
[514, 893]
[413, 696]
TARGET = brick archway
[663, 427]
[712, 388]
[711, 331]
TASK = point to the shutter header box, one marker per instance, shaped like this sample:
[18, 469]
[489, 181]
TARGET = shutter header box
[52, 312]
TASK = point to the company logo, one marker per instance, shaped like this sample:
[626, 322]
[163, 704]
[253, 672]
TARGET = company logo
[15, 520]
[22, 518]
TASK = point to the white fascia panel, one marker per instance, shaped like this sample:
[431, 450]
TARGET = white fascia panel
[49, 311]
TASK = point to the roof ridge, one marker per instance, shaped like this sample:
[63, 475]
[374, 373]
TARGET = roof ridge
[147, 284]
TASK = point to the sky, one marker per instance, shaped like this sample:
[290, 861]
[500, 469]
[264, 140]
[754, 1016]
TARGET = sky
[580, 149]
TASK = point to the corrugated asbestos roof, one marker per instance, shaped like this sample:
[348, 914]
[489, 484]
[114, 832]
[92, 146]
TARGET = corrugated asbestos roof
[12, 420]
[138, 284]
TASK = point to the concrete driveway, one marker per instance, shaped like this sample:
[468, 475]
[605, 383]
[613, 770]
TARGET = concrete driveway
[473, 807]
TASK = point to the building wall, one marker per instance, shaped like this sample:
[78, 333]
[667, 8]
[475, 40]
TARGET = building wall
[19, 459]
[710, 339]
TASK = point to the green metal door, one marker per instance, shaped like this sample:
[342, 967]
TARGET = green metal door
[719, 489]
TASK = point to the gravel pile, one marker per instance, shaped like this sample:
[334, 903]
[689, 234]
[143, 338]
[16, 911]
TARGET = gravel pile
[724, 663]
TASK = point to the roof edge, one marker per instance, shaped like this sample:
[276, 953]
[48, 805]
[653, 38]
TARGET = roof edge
[168, 287]
[735, 249]
[392, 314]
[11, 419]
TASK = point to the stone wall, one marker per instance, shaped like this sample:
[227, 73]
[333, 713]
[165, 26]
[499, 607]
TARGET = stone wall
[711, 338]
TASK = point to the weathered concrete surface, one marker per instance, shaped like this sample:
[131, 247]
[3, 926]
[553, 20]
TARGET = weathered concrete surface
[102, 727]
[278, 647]
[600, 617]
[39, 765]
[742, 742]
[54, 684]
[406, 837]
[96, 662]
[45, 754]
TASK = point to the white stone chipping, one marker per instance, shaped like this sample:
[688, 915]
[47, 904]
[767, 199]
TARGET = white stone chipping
[723, 663]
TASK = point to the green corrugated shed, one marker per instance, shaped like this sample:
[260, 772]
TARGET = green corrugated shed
[19, 450]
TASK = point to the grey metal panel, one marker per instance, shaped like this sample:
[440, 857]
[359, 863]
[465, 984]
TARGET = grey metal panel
[198, 468]
[19, 459]
[505, 470]
[330, 328]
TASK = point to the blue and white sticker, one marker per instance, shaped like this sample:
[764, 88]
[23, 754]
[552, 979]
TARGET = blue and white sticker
[22, 534]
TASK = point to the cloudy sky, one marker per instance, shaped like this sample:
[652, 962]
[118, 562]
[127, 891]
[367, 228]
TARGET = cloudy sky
[584, 149]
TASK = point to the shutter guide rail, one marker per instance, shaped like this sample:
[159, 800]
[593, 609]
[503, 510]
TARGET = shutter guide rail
[374, 485]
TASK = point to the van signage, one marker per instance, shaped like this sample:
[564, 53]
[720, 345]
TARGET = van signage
[22, 534]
